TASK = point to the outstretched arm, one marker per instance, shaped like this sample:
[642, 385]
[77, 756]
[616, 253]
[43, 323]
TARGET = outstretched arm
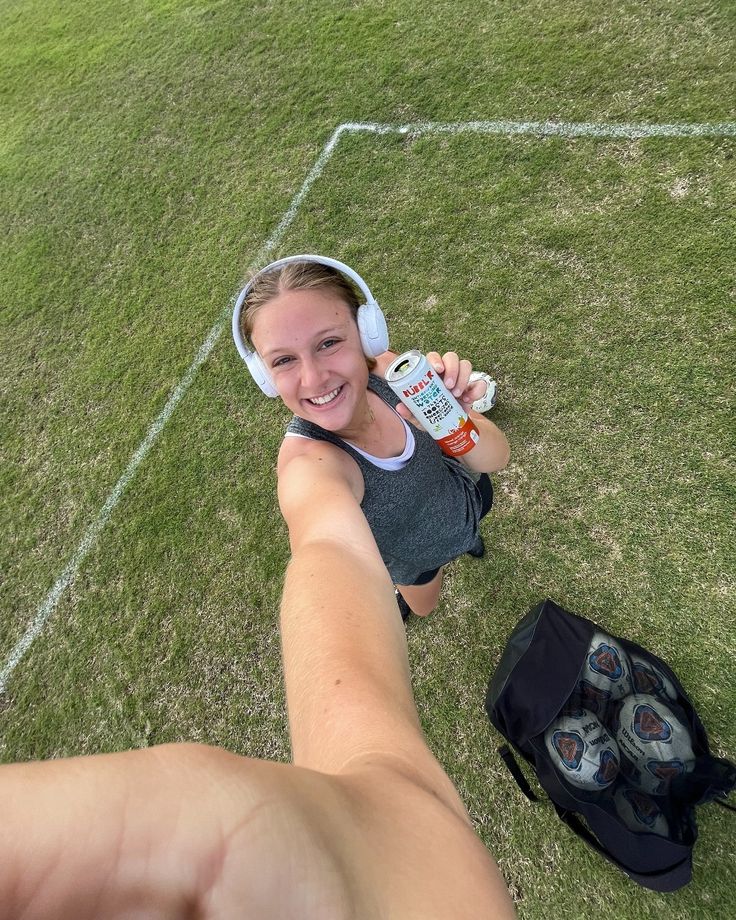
[364, 823]
[412, 851]
[344, 646]
[352, 713]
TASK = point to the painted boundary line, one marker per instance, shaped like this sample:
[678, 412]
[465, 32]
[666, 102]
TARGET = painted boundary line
[547, 129]
[500, 128]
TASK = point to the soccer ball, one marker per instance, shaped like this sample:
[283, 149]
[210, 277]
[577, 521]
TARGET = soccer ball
[606, 668]
[655, 744]
[648, 678]
[582, 750]
[639, 812]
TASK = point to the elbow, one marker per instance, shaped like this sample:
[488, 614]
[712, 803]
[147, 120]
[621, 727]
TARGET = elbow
[494, 458]
[505, 455]
[493, 453]
[501, 456]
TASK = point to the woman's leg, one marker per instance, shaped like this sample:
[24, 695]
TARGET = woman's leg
[422, 598]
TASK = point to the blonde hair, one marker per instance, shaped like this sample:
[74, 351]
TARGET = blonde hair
[297, 276]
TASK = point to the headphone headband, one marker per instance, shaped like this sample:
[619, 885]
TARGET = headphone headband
[344, 269]
[371, 322]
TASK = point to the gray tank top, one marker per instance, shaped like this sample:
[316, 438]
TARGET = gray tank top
[423, 515]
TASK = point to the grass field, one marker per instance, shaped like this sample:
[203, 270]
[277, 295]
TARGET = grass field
[148, 154]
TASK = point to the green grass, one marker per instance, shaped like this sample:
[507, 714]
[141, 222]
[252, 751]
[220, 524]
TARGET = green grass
[150, 151]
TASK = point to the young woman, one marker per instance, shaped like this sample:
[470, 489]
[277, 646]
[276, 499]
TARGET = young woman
[350, 431]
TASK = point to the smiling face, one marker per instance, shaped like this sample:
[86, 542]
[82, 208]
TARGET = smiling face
[309, 342]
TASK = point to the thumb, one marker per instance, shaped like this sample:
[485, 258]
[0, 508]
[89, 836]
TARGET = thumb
[404, 411]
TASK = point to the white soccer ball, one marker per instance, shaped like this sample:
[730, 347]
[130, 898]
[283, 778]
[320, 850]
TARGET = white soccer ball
[655, 744]
[640, 812]
[606, 668]
[582, 750]
[648, 678]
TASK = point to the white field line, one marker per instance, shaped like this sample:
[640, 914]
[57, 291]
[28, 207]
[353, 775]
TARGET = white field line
[548, 129]
[503, 128]
[93, 531]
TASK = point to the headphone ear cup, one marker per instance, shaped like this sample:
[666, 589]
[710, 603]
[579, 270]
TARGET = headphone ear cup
[373, 329]
[261, 376]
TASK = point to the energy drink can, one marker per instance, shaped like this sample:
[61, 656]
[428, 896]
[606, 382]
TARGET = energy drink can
[419, 387]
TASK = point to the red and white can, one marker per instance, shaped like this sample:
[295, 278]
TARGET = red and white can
[420, 387]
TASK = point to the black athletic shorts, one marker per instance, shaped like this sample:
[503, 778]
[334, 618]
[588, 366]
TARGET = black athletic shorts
[485, 488]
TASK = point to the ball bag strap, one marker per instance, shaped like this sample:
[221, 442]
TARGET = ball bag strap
[515, 771]
[725, 805]
[669, 879]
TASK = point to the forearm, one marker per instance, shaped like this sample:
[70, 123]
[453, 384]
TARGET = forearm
[348, 688]
[491, 453]
[345, 660]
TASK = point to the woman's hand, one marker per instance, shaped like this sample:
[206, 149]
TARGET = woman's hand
[455, 373]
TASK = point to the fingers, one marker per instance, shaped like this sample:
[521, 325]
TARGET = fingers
[455, 372]
[436, 361]
[404, 411]
[475, 391]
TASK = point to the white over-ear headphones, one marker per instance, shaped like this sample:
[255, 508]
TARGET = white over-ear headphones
[371, 321]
